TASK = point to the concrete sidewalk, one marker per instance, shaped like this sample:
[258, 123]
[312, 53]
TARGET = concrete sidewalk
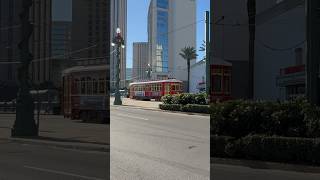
[138, 103]
[61, 132]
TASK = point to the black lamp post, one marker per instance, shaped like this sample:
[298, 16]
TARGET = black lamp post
[149, 70]
[24, 124]
[118, 41]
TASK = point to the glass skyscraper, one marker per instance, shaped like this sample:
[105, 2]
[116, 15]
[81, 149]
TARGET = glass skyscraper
[161, 56]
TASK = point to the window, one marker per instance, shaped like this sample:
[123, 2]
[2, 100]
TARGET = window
[83, 86]
[101, 86]
[89, 86]
[217, 83]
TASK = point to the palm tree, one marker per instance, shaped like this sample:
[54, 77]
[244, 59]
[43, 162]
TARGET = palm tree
[188, 53]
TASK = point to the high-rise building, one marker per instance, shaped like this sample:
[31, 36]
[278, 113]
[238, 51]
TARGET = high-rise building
[60, 49]
[41, 41]
[40, 44]
[61, 38]
[171, 27]
[118, 20]
[90, 32]
[140, 61]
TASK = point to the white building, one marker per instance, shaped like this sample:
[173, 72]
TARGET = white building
[280, 51]
[140, 61]
[198, 77]
[171, 27]
[118, 20]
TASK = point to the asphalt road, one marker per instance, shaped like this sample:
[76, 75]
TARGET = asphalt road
[32, 162]
[154, 145]
[231, 172]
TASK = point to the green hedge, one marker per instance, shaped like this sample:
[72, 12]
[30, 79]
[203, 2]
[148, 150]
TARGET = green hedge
[240, 118]
[195, 108]
[279, 149]
[170, 107]
[185, 98]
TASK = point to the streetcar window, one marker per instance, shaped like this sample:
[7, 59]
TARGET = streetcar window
[217, 83]
[95, 86]
[101, 86]
[83, 86]
[89, 85]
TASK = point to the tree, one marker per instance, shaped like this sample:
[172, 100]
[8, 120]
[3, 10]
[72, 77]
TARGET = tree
[188, 53]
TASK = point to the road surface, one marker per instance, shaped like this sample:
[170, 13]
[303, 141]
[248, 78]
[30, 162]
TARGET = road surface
[37, 162]
[152, 145]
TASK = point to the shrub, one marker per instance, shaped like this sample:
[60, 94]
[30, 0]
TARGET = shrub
[167, 99]
[240, 118]
[195, 108]
[201, 99]
[257, 147]
[218, 144]
[170, 107]
[281, 149]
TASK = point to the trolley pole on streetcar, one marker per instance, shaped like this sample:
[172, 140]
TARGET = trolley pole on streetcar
[118, 42]
[24, 124]
[313, 54]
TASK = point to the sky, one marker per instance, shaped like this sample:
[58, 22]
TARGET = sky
[62, 10]
[137, 24]
[137, 13]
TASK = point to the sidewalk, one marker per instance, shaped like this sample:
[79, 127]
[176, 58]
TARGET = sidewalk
[150, 105]
[138, 103]
[61, 132]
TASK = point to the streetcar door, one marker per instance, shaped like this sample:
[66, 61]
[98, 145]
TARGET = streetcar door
[167, 88]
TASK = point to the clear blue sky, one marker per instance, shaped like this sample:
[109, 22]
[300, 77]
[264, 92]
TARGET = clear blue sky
[137, 24]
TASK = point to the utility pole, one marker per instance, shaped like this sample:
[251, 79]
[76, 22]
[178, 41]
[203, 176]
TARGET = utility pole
[251, 5]
[208, 77]
[118, 41]
[24, 124]
[313, 53]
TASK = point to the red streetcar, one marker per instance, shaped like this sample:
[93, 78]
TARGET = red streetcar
[154, 89]
[85, 93]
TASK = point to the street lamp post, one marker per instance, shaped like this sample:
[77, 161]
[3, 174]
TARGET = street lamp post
[118, 41]
[149, 72]
[24, 124]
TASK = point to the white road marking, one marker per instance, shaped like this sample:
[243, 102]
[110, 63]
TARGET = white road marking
[130, 116]
[62, 173]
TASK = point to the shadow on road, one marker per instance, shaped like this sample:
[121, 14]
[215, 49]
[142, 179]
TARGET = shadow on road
[68, 140]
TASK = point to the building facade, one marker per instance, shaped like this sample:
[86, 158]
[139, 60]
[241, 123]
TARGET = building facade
[198, 77]
[171, 27]
[141, 66]
[40, 44]
[90, 32]
[230, 39]
[60, 49]
[280, 55]
[118, 20]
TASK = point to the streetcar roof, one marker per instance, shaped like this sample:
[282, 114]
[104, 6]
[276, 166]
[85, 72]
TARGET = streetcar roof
[84, 68]
[159, 81]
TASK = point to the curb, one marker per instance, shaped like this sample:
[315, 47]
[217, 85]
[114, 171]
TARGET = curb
[254, 164]
[66, 145]
[160, 110]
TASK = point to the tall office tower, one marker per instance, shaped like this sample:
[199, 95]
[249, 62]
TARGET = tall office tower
[171, 27]
[40, 69]
[90, 32]
[40, 16]
[140, 61]
[118, 20]
[60, 49]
